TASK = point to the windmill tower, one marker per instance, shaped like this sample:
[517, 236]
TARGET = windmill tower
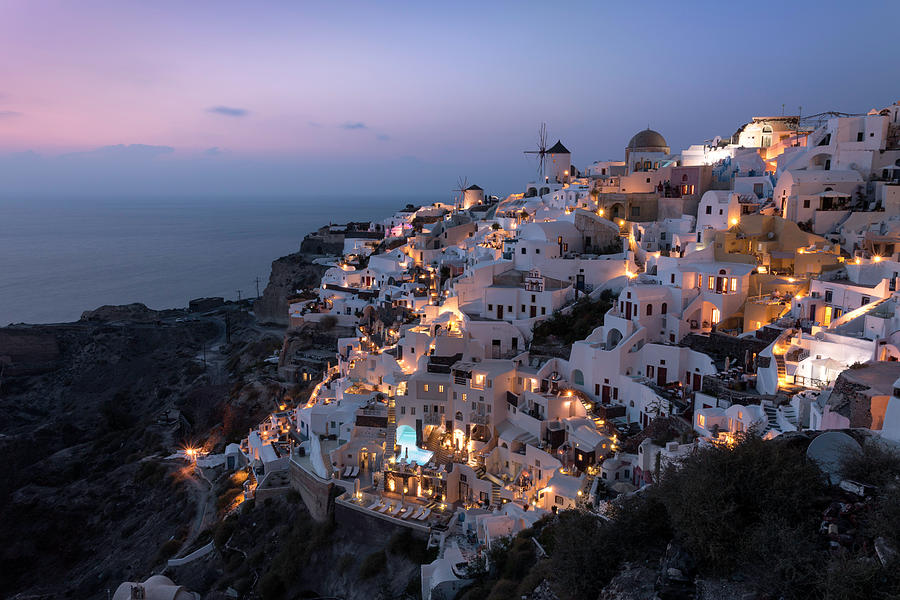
[541, 151]
[459, 199]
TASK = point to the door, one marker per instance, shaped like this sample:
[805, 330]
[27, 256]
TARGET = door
[533, 311]
[696, 384]
[661, 376]
[605, 396]
[627, 311]
[495, 348]
[812, 312]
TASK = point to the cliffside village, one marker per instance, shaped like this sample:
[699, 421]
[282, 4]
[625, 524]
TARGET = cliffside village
[751, 282]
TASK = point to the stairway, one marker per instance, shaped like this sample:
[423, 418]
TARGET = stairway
[791, 415]
[598, 422]
[782, 368]
[771, 416]
[433, 442]
[495, 495]
[479, 472]
[391, 439]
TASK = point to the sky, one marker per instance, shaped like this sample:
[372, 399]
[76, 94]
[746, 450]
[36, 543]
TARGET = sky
[296, 98]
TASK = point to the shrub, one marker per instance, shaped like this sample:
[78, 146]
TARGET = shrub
[720, 496]
[373, 564]
[876, 465]
[271, 587]
[168, 550]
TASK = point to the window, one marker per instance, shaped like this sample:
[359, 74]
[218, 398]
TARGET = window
[425, 409]
[559, 500]
[665, 307]
[402, 410]
[509, 308]
[829, 295]
[649, 310]
[412, 410]
[635, 211]
[806, 203]
[733, 287]
[700, 281]
[524, 251]
[537, 250]
[426, 387]
[672, 278]
[859, 136]
[711, 282]
[523, 308]
[865, 300]
[650, 371]
[709, 210]
[441, 389]
[543, 310]
[532, 298]
[490, 307]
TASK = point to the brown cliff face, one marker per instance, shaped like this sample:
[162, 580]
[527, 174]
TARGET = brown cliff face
[289, 274]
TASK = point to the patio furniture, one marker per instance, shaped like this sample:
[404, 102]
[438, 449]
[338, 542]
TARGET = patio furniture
[346, 472]
[424, 515]
[354, 472]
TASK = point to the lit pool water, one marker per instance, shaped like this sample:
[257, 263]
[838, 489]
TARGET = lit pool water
[406, 439]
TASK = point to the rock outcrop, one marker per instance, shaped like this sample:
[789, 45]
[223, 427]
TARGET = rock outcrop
[289, 274]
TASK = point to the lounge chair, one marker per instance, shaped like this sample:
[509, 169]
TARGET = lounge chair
[395, 511]
[354, 472]
[375, 505]
[424, 515]
[346, 472]
[414, 513]
[385, 508]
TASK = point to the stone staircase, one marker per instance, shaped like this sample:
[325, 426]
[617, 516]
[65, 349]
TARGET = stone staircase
[771, 416]
[781, 367]
[598, 422]
[495, 495]
[790, 413]
[392, 426]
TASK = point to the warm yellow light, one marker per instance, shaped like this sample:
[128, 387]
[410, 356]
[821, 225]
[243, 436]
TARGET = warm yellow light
[734, 221]
[391, 485]
[760, 269]
[858, 260]
[621, 222]
[600, 212]
[876, 258]
[580, 493]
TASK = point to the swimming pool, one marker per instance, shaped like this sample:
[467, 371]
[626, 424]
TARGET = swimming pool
[406, 439]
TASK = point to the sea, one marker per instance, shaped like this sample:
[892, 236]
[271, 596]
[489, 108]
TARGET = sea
[60, 257]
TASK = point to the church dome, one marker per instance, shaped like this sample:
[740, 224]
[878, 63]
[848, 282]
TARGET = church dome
[647, 139]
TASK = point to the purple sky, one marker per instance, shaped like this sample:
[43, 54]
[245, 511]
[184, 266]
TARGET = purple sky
[150, 98]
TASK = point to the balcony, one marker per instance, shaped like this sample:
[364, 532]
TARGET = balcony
[479, 419]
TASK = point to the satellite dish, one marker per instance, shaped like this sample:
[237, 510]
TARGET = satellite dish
[829, 449]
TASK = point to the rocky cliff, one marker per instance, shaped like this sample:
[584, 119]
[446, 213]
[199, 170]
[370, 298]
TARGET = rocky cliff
[289, 274]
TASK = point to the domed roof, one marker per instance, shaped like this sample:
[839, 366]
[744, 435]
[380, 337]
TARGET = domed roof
[648, 139]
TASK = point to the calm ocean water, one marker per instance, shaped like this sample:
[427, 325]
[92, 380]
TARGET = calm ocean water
[59, 258]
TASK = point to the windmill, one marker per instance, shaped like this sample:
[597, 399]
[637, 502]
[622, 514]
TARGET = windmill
[541, 149]
[461, 184]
